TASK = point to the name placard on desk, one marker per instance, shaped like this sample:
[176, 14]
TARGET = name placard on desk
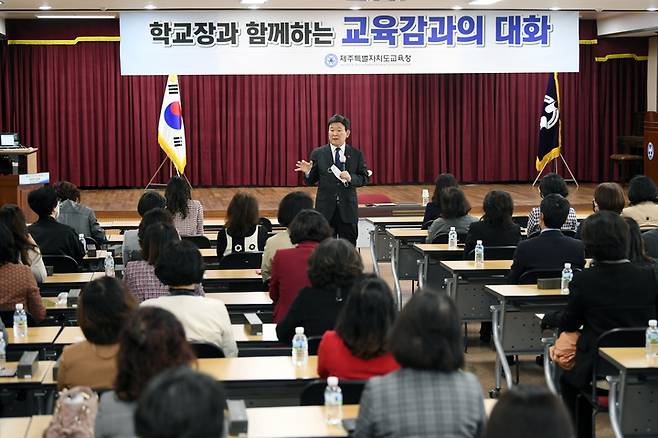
[34, 178]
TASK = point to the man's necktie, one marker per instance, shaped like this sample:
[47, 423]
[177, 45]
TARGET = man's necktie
[337, 159]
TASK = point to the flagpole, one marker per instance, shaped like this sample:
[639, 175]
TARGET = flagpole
[156, 173]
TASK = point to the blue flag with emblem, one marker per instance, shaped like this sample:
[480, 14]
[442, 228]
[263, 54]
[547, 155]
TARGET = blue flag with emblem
[550, 129]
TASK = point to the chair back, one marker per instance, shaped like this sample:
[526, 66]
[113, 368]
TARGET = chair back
[617, 337]
[265, 223]
[495, 253]
[532, 275]
[427, 224]
[313, 393]
[90, 241]
[374, 198]
[241, 260]
[443, 238]
[61, 263]
[204, 351]
[199, 241]
[521, 221]
[7, 317]
[313, 344]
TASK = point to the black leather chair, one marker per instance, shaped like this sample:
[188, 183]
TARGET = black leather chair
[61, 263]
[313, 393]
[241, 260]
[313, 344]
[204, 351]
[199, 241]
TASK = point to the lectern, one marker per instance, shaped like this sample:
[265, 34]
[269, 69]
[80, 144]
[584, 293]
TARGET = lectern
[651, 145]
[11, 192]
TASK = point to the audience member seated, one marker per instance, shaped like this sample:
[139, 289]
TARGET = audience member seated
[551, 249]
[552, 184]
[643, 206]
[636, 253]
[205, 320]
[496, 227]
[18, 284]
[104, 306]
[149, 200]
[333, 268]
[430, 396]
[608, 196]
[241, 232]
[181, 403]
[290, 205]
[289, 275]
[433, 208]
[152, 341]
[140, 275]
[187, 212]
[28, 251]
[358, 348]
[454, 213]
[612, 293]
[52, 237]
[526, 411]
[77, 216]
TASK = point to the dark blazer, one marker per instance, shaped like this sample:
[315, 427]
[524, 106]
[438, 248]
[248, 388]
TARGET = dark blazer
[491, 235]
[314, 309]
[550, 250]
[330, 188]
[432, 211]
[54, 238]
[604, 297]
[650, 239]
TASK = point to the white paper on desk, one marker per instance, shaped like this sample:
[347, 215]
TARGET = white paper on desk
[336, 171]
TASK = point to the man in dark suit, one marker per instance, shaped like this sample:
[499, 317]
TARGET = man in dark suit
[551, 249]
[338, 169]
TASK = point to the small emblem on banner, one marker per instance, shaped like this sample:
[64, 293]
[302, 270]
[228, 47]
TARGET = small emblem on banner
[331, 60]
[650, 151]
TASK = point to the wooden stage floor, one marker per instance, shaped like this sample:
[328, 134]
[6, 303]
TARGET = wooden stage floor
[122, 203]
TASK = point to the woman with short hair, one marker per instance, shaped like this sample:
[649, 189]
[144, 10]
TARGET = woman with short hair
[495, 227]
[187, 212]
[454, 213]
[642, 193]
[289, 276]
[242, 231]
[149, 200]
[552, 184]
[430, 396]
[152, 341]
[333, 268]
[72, 213]
[104, 306]
[433, 208]
[29, 253]
[358, 347]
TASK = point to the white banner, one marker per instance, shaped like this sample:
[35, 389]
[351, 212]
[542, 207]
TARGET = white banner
[347, 42]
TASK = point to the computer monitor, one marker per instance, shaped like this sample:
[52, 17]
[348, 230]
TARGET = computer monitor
[9, 140]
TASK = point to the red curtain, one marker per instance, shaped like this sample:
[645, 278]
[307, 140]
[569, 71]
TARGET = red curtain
[97, 128]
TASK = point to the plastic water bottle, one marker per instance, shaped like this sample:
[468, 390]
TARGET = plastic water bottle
[479, 253]
[109, 265]
[299, 348]
[452, 238]
[333, 401]
[652, 341]
[3, 352]
[20, 322]
[83, 242]
[426, 197]
[567, 275]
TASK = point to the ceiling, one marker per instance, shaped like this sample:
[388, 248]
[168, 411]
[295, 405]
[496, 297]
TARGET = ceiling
[590, 8]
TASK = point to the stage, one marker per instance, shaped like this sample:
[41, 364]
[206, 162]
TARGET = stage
[122, 203]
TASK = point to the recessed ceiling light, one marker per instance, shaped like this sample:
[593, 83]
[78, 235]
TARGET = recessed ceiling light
[150, 6]
[652, 9]
[355, 8]
[45, 7]
[555, 8]
[254, 7]
[483, 2]
[457, 8]
[82, 17]
[253, 2]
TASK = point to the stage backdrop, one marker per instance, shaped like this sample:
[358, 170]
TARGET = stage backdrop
[99, 129]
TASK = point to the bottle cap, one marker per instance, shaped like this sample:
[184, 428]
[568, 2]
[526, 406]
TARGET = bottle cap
[81, 235]
[299, 330]
[19, 306]
[567, 265]
[332, 381]
[653, 323]
[452, 228]
[479, 242]
[426, 192]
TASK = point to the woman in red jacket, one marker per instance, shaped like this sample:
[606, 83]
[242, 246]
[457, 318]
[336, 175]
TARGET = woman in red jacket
[290, 265]
[357, 348]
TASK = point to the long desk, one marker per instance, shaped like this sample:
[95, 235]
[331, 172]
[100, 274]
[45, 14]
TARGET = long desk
[516, 328]
[233, 279]
[435, 252]
[36, 387]
[404, 259]
[15, 427]
[380, 242]
[633, 403]
[208, 223]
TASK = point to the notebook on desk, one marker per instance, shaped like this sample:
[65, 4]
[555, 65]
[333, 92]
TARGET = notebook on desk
[9, 140]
